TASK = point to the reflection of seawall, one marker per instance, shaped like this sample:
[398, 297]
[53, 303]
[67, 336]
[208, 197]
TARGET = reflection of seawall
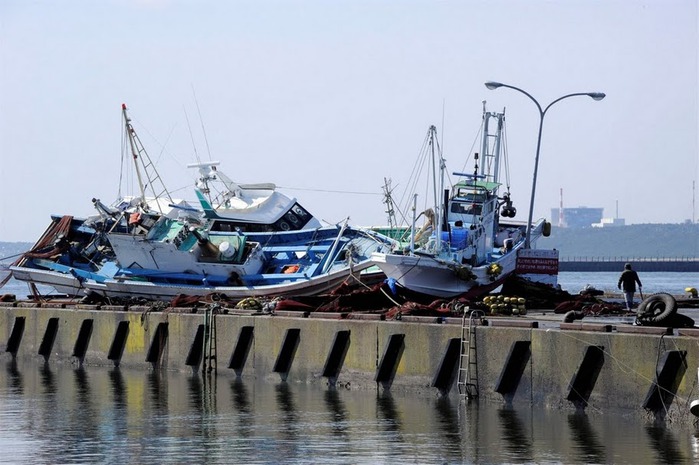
[639, 264]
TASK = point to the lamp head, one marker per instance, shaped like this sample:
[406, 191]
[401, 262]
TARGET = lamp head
[492, 85]
[597, 95]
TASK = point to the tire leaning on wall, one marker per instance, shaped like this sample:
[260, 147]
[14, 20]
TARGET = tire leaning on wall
[656, 310]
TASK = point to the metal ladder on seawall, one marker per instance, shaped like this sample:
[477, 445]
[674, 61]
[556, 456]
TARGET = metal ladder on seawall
[209, 351]
[468, 361]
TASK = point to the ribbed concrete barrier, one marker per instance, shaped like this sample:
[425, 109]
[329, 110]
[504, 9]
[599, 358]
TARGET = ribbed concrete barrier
[650, 372]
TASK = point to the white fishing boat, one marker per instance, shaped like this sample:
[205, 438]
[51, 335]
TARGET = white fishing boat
[176, 258]
[471, 248]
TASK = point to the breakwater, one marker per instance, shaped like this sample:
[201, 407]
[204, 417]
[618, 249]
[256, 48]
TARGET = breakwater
[684, 265]
[533, 360]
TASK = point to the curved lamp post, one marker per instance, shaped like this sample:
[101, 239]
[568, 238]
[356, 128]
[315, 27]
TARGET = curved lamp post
[494, 85]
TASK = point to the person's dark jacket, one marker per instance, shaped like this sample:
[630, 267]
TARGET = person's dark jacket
[628, 280]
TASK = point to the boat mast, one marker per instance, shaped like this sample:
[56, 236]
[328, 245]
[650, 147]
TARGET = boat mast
[134, 152]
[138, 152]
[438, 186]
[490, 150]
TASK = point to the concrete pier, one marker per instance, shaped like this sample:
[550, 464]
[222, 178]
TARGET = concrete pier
[595, 365]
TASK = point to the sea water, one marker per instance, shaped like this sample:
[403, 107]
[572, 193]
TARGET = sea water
[673, 283]
[58, 413]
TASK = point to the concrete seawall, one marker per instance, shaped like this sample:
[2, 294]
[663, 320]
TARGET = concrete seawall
[536, 360]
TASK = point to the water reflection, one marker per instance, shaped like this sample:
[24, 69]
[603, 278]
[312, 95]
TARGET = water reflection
[47, 379]
[14, 377]
[665, 445]
[82, 385]
[517, 442]
[289, 427]
[117, 415]
[388, 416]
[241, 403]
[158, 390]
[241, 400]
[448, 419]
[587, 442]
[338, 413]
[196, 398]
[447, 416]
[287, 412]
[118, 391]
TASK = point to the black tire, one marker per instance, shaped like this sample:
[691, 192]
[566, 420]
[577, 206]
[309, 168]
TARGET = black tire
[656, 309]
[678, 320]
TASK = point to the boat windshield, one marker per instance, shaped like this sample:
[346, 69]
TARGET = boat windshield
[466, 208]
[470, 195]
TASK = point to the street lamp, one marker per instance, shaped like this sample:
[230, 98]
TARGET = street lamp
[494, 85]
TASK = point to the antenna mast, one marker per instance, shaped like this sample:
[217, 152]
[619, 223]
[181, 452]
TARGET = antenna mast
[138, 152]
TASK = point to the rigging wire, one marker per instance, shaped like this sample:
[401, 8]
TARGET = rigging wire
[416, 177]
[505, 154]
[328, 190]
[479, 135]
[206, 140]
[191, 135]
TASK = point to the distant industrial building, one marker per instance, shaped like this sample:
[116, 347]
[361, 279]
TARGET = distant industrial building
[580, 217]
[609, 223]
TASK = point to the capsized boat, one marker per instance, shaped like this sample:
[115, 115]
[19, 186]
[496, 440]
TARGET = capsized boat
[178, 258]
[470, 247]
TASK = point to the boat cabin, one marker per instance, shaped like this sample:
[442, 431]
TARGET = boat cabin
[470, 200]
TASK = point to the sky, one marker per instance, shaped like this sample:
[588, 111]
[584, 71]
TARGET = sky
[326, 99]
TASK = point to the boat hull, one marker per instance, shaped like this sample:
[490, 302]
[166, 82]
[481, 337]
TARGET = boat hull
[125, 288]
[64, 283]
[441, 278]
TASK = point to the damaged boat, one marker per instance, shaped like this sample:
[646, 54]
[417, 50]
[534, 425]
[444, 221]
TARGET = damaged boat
[240, 239]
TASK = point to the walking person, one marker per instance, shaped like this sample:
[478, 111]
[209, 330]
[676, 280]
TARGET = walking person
[627, 283]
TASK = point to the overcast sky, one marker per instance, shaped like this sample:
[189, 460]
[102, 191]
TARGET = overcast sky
[328, 98]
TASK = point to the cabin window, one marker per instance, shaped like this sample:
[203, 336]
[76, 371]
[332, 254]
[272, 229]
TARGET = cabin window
[466, 208]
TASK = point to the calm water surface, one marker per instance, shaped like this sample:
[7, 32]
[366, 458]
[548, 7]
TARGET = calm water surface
[66, 414]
